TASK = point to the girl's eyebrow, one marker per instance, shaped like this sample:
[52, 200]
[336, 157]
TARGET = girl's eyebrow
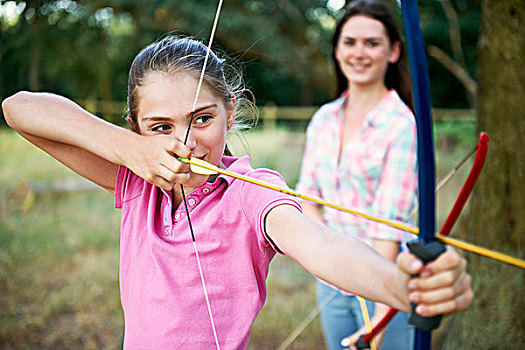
[200, 109]
[197, 110]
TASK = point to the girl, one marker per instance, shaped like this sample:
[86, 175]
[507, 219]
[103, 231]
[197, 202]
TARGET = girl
[238, 227]
[370, 131]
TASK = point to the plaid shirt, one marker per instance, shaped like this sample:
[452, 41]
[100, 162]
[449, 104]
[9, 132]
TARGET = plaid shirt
[376, 173]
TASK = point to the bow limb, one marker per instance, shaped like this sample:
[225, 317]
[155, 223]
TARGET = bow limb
[425, 147]
[479, 161]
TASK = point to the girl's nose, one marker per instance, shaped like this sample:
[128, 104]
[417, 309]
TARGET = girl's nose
[189, 139]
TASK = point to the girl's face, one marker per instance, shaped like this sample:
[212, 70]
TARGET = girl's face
[364, 51]
[165, 105]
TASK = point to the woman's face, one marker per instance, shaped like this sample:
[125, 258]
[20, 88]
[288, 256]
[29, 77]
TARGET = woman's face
[165, 105]
[364, 50]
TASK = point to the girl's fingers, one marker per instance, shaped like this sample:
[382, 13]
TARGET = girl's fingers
[172, 177]
[162, 183]
[409, 264]
[449, 299]
[449, 260]
[178, 148]
[459, 287]
[443, 286]
[174, 166]
[457, 304]
[449, 268]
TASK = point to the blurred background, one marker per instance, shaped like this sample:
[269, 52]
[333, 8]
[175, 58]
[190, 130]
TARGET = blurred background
[59, 234]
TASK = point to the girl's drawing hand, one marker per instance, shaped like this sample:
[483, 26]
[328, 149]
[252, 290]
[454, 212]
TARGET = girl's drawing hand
[443, 286]
[153, 158]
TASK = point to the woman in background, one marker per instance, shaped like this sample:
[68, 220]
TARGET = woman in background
[361, 152]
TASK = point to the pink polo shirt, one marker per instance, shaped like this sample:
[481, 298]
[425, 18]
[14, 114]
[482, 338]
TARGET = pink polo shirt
[161, 291]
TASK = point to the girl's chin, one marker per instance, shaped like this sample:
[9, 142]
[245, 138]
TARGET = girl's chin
[198, 180]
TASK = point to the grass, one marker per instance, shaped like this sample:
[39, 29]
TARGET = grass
[59, 256]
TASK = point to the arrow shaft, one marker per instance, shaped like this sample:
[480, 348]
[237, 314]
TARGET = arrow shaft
[317, 200]
[441, 237]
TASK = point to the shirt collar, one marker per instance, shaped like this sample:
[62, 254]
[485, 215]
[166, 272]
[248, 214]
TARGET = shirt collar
[236, 165]
[376, 117]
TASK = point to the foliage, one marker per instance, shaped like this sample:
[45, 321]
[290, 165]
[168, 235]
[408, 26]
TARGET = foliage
[83, 49]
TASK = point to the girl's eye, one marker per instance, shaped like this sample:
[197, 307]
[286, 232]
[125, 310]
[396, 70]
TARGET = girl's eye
[373, 43]
[349, 42]
[202, 119]
[161, 128]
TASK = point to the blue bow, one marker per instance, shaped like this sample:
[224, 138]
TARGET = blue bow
[425, 147]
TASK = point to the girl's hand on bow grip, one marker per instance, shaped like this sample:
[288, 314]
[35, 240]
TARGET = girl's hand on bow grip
[153, 157]
[443, 286]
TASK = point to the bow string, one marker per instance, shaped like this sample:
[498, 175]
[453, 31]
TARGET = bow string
[199, 265]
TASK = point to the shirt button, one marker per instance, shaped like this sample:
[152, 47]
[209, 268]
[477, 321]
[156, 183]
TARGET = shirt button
[167, 231]
[206, 190]
[177, 216]
[191, 201]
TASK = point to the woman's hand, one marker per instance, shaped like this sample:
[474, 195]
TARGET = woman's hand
[154, 158]
[352, 339]
[442, 287]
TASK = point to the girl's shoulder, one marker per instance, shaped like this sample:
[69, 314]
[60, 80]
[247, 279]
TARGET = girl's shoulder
[243, 166]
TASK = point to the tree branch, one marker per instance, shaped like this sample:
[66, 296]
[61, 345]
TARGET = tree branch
[454, 67]
[454, 31]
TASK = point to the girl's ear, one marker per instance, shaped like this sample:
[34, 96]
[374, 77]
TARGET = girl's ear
[395, 52]
[232, 107]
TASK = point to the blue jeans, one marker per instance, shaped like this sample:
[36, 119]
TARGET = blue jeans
[342, 317]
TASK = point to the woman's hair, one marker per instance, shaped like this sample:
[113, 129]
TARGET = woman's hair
[181, 54]
[397, 75]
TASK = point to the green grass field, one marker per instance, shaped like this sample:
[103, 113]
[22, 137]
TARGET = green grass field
[60, 249]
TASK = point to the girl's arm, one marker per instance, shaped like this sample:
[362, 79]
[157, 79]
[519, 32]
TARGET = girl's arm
[90, 146]
[349, 264]
[313, 211]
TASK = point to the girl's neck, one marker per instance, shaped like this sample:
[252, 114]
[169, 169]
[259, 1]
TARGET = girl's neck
[365, 98]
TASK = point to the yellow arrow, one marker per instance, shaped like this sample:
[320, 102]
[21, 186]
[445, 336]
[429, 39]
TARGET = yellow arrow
[200, 166]
[197, 164]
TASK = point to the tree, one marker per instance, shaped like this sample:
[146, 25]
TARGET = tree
[495, 320]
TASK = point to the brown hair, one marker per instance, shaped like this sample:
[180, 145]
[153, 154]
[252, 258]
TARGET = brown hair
[397, 75]
[181, 54]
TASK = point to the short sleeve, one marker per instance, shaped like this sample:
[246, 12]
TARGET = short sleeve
[128, 185]
[257, 202]
[122, 176]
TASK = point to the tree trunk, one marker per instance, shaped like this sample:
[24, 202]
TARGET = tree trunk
[497, 218]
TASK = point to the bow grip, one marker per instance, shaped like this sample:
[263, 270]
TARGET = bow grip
[426, 252]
